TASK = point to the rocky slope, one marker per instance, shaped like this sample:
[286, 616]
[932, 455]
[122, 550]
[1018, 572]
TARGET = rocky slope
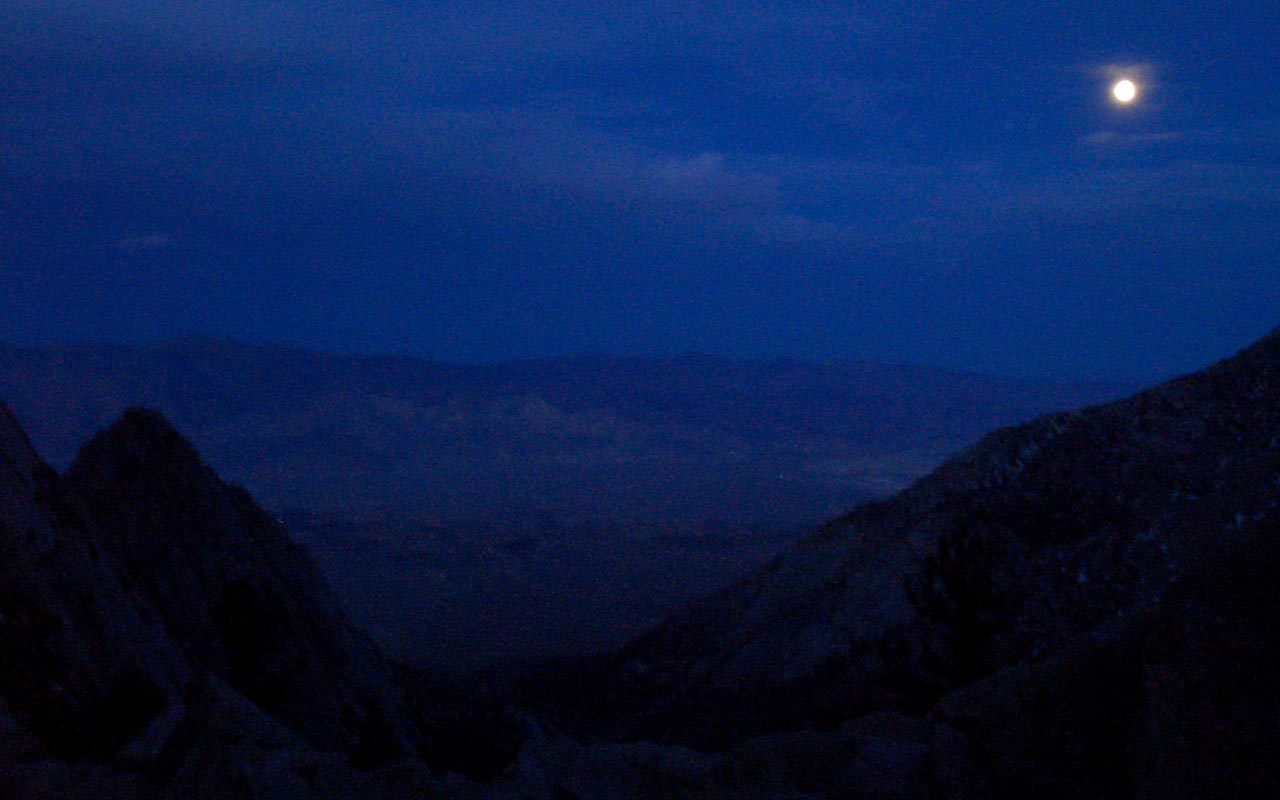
[163, 637]
[79, 652]
[1176, 701]
[1071, 594]
[240, 598]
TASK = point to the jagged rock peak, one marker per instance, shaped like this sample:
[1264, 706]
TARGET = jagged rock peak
[141, 440]
[156, 624]
[140, 479]
[246, 602]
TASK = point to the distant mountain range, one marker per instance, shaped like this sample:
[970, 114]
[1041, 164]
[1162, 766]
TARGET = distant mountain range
[691, 439]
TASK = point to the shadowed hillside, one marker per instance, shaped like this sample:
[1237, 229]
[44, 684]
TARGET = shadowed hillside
[164, 637]
[1045, 593]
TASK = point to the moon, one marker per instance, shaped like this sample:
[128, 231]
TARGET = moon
[1124, 91]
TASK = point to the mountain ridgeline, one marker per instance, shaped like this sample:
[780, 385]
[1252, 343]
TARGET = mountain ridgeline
[1081, 606]
[688, 439]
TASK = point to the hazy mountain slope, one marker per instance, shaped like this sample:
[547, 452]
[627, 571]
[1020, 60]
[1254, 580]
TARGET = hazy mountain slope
[1051, 529]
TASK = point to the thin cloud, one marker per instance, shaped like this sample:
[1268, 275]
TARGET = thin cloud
[1121, 139]
[703, 178]
[147, 242]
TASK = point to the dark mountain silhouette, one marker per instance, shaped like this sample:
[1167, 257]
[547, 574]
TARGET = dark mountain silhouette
[1082, 606]
[240, 598]
[162, 636]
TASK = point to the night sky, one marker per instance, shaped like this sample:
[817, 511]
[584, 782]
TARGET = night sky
[942, 183]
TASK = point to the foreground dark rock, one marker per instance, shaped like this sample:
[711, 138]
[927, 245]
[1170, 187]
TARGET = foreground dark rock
[1178, 701]
[883, 755]
[86, 667]
[242, 601]
[163, 637]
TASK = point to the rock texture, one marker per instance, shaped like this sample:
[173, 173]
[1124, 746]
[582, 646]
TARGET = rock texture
[86, 666]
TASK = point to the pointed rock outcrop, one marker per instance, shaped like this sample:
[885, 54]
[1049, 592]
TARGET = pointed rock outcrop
[242, 601]
[85, 668]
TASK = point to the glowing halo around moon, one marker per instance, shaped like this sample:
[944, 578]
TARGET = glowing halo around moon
[1124, 91]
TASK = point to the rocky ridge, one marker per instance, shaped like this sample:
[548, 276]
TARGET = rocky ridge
[163, 637]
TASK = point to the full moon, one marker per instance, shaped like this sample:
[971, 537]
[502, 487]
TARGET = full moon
[1124, 91]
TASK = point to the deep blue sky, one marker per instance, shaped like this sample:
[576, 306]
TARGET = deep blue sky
[932, 182]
